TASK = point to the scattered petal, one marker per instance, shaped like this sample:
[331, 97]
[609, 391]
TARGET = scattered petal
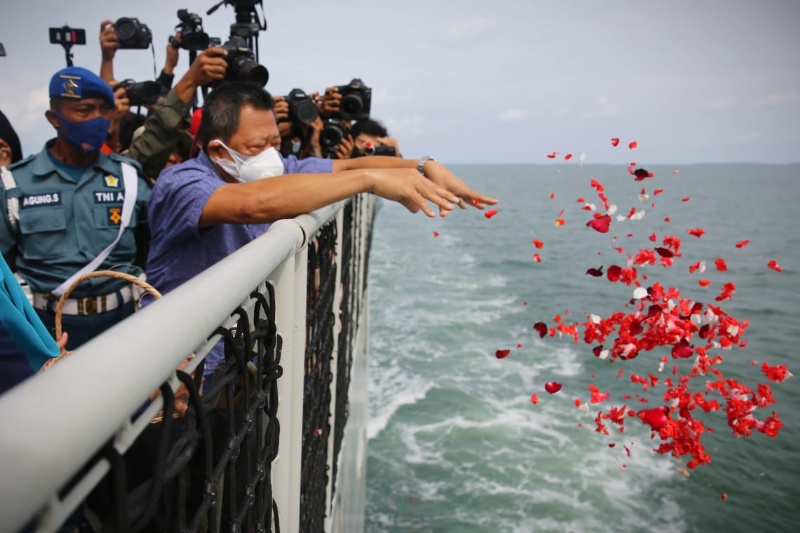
[704, 282]
[742, 244]
[537, 258]
[721, 265]
[686, 199]
[696, 232]
[567, 157]
[552, 195]
[552, 155]
[633, 144]
[614, 272]
[537, 243]
[541, 328]
[534, 399]
[639, 293]
[490, 213]
[774, 266]
[775, 373]
[724, 496]
[502, 353]
[552, 387]
[600, 224]
[596, 272]
[435, 233]
[614, 141]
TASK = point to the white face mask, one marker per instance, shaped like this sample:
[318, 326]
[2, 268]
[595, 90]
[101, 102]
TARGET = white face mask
[247, 168]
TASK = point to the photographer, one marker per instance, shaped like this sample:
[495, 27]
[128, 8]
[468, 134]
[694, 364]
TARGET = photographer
[171, 117]
[370, 137]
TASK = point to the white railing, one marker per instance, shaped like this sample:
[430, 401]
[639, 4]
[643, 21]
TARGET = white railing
[52, 424]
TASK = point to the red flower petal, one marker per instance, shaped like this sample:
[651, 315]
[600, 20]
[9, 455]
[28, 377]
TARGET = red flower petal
[742, 244]
[697, 232]
[614, 273]
[552, 195]
[664, 252]
[534, 399]
[552, 387]
[653, 237]
[656, 418]
[541, 328]
[596, 272]
[502, 353]
[601, 224]
[537, 258]
[633, 144]
[686, 199]
[490, 213]
[614, 141]
[774, 266]
[682, 350]
[775, 373]
[722, 266]
[435, 233]
[657, 192]
[704, 282]
[537, 243]
[552, 155]
[567, 157]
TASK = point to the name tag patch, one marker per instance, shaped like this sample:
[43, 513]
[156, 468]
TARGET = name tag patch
[113, 197]
[41, 200]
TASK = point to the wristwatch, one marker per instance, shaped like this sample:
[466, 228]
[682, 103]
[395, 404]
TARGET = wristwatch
[421, 164]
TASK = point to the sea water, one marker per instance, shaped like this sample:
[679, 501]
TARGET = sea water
[456, 444]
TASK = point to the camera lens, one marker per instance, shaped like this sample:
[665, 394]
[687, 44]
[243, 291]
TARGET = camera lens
[305, 111]
[246, 69]
[143, 93]
[125, 28]
[332, 135]
[350, 106]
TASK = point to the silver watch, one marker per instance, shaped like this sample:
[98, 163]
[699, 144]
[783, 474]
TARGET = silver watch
[421, 164]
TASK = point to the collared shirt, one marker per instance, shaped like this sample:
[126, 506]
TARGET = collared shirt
[179, 248]
[63, 225]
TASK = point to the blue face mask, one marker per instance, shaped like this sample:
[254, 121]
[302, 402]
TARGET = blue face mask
[87, 136]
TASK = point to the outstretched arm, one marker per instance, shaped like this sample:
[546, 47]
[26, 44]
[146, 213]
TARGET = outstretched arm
[290, 195]
[435, 171]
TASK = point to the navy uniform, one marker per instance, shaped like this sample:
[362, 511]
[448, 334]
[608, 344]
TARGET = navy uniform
[67, 215]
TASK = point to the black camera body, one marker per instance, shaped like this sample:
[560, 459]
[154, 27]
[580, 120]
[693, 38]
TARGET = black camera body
[193, 38]
[141, 92]
[332, 134]
[302, 108]
[242, 65]
[374, 150]
[356, 100]
[132, 34]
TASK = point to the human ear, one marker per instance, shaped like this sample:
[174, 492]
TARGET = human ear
[52, 118]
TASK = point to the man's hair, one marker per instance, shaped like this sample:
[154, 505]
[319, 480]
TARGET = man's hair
[223, 106]
[369, 127]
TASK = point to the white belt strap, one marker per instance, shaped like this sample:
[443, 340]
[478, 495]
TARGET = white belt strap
[129, 179]
[12, 203]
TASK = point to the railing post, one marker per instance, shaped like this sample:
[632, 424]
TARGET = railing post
[290, 299]
[337, 325]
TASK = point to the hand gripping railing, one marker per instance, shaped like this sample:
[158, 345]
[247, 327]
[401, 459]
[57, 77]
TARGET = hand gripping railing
[76, 426]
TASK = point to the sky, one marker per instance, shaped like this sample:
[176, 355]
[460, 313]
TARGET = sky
[480, 81]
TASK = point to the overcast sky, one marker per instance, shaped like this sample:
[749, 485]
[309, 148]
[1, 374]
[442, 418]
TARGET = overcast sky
[479, 81]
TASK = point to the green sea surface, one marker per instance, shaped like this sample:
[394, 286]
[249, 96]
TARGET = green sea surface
[456, 444]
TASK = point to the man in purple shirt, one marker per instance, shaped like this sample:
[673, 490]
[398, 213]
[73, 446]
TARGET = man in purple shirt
[206, 208]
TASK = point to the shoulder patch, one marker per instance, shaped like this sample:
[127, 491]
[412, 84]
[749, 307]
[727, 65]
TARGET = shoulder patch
[112, 181]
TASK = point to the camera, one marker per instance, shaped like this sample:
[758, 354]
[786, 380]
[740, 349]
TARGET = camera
[242, 64]
[301, 108]
[356, 100]
[332, 134]
[141, 92]
[132, 34]
[370, 149]
[193, 38]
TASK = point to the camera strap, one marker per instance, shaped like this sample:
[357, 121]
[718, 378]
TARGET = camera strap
[129, 179]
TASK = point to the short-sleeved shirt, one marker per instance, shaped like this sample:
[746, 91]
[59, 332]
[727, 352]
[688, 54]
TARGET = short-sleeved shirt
[179, 248]
[65, 222]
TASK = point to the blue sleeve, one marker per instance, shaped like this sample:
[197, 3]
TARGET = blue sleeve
[177, 201]
[309, 165]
